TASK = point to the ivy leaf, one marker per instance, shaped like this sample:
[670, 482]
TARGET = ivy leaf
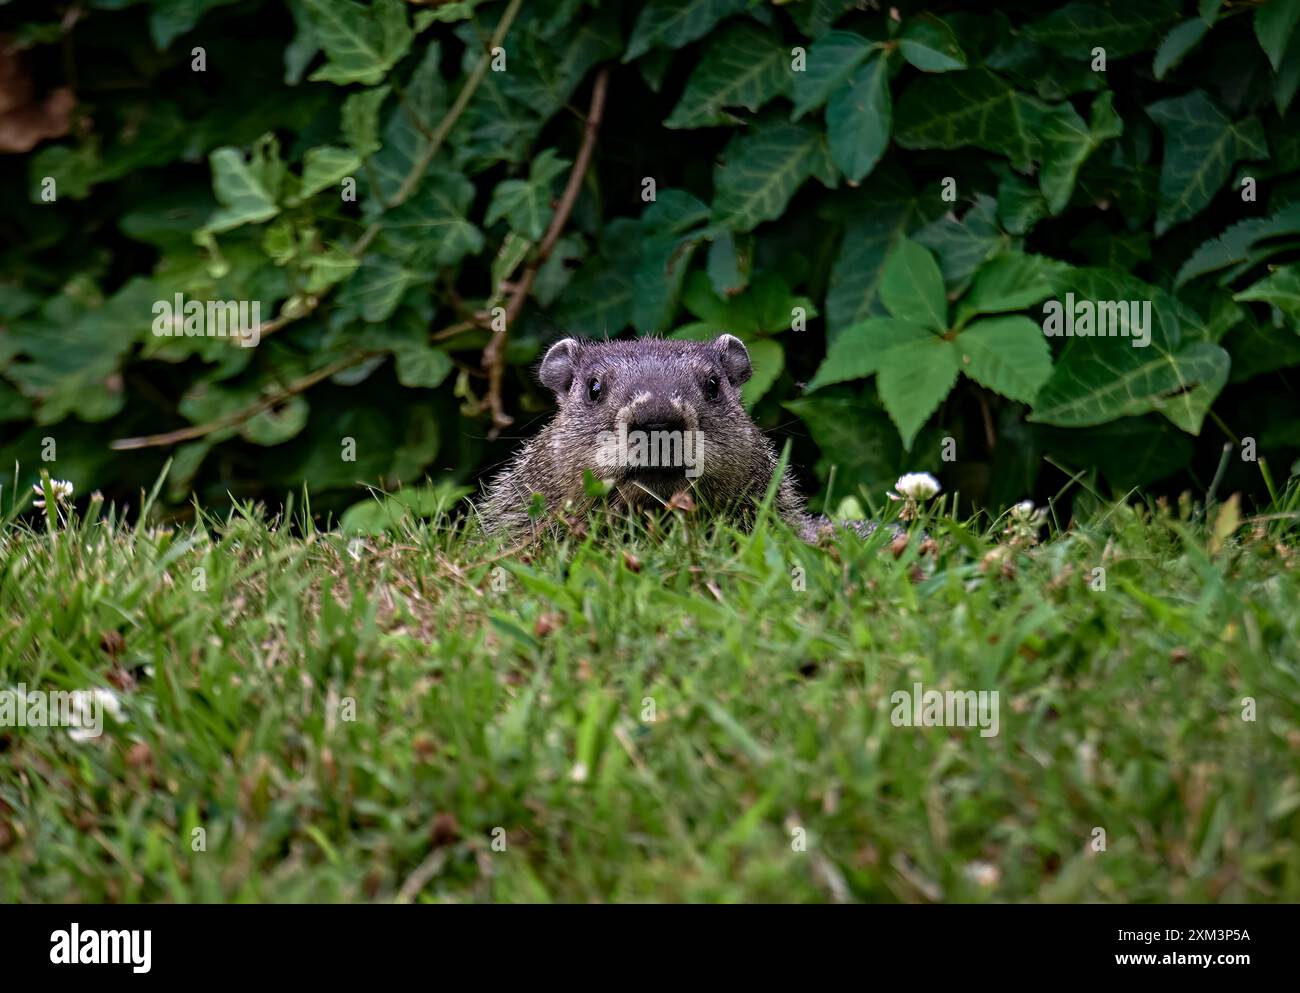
[1009, 355]
[1067, 143]
[1281, 288]
[324, 167]
[763, 169]
[913, 379]
[1274, 24]
[1177, 43]
[929, 44]
[277, 425]
[859, 118]
[420, 365]
[359, 119]
[1099, 379]
[433, 225]
[745, 66]
[362, 43]
[169, 19]
[856, 352]
[1238, 243]
[1201, 146]
[1121, 29]
[912, 287]
[600, 298]
[974, 107]
[378, 286]
[831, 60]
[242, 189]
[403, 141]
[526, 204]
[675, 23]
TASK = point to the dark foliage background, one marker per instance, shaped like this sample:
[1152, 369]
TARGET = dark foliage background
[1173, 175]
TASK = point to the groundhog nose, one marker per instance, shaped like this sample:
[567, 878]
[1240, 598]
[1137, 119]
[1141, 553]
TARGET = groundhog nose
[673, 424]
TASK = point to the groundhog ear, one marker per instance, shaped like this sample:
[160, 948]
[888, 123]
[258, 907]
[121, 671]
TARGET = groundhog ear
[735, 358]
[556, 370]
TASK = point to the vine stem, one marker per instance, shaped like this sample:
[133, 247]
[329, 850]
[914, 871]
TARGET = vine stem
[494, 353]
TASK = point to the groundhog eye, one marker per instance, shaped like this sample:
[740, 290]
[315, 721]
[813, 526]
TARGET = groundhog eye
[593, 389]
[711, 387]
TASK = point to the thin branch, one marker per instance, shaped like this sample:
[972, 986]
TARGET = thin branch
[239, 416]
[494, 354]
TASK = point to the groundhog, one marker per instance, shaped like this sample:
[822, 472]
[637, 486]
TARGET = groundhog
[652, 418]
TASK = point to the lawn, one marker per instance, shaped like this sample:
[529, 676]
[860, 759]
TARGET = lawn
[655, 712]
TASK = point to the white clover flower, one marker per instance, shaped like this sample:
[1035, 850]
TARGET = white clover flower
[62, 492]
[88, 709]
[915, 486]
[1024, 514]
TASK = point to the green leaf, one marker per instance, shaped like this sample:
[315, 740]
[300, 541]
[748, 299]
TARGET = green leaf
[1274, 23]
[277, 425]
[599, 300]
[744, 66]
[1201, 146]
[856, 439]
[856, 352]
[929, 44]
[768, 359]
[378, 286]
[242, 190]
[912, 287]
[1122, 29]
[1288, 76]
[360, 119]
[169, 19]
[1177, 43]
[433, 224]
[1238, 243]
[1009, 355]
[404, 140]
[420, 365]
[1281, 288]
[1011, 281]
[858, 120]
[913, 379]
[362, 43]
[526, 204]
[831, 60]
[1099, 379]
[974, 107]
[675, 23]
[966, 244]
[728, 265]
[1067, 143]
[324, 167]
[878, 215]
[763, 169]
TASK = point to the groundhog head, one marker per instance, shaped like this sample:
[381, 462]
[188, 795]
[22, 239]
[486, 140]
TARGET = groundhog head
[652, 416]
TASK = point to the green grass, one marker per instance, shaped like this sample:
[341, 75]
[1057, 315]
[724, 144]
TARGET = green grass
[502, 694]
